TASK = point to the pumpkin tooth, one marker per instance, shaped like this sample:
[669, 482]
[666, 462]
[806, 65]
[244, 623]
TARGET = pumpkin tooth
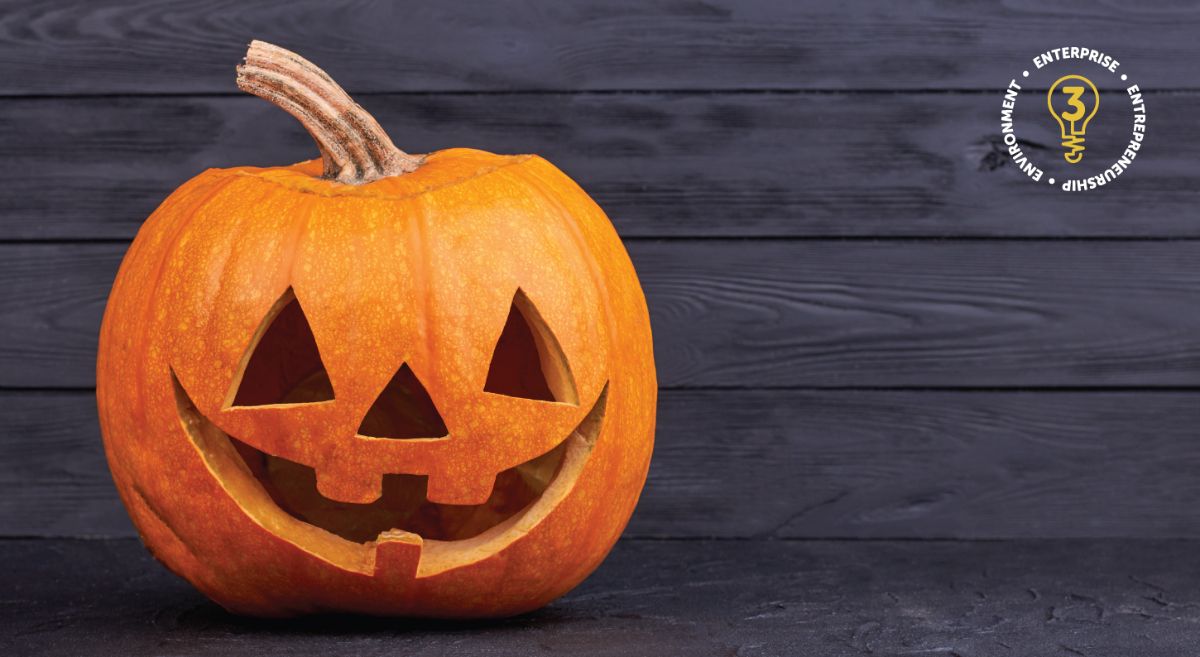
[462, 490]
[398, 552]
[349, 486]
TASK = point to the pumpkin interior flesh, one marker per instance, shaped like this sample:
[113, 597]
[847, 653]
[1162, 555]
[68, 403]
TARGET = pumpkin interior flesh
[293, 488]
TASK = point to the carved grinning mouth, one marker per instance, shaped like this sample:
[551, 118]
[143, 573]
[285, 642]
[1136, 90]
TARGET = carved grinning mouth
[282, 496]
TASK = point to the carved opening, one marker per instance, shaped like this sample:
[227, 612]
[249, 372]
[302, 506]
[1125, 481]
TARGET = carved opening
[403, 410]
[282, 364]
[403, 505]
[266, 485]
[528, 361]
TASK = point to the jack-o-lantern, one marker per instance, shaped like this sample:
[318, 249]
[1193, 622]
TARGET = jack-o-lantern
[378, 382]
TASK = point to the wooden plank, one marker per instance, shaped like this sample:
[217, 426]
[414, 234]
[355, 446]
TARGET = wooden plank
[687, 598]
[66, 46]
[906, 464]
[54, 479]
[782, 464]
[662, 165]
[751, 313]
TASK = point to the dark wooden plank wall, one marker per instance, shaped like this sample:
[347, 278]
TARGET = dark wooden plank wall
[183, 46]
[662, 164]
[867, 323]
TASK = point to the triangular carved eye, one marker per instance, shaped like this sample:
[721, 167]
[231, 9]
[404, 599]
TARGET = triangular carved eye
[282, 364]
[403, 410]
[528, 361]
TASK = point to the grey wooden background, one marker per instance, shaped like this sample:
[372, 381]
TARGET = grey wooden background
[868, 324]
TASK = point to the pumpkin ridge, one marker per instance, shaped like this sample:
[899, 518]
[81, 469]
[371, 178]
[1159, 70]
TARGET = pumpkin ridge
[578, 239]
[169, 247]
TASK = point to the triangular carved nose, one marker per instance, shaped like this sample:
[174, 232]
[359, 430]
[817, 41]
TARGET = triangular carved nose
[403, 410]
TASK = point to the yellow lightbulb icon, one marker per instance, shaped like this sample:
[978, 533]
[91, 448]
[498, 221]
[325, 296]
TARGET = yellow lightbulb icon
[1073, 117]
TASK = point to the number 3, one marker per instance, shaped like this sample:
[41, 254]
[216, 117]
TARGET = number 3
[1073, 101]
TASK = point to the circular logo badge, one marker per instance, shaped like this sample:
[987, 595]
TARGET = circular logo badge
[1090, 129]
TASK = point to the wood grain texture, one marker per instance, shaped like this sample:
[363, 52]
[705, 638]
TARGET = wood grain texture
[660, 164]
[54, 479]
[782, 464]
[749, 598]
[748, 313]
[69, 46]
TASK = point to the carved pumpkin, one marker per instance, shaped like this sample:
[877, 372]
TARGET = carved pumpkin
[378, 382]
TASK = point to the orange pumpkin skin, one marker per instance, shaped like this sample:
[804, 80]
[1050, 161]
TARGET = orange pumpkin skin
[418, 269]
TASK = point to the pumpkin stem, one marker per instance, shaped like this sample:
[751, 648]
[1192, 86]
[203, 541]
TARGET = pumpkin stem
[354, 148]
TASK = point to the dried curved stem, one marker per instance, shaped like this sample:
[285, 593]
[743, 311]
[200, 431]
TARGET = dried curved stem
[354, 148]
